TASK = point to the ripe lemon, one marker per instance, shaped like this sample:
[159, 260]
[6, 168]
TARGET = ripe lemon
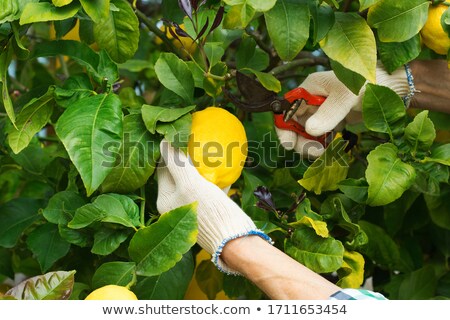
[433, 35]
[194, 292]
[217, 145]
[111, 292]
[185, 42]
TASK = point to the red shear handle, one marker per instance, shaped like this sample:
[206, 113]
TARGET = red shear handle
[293, 125]
[303, 94]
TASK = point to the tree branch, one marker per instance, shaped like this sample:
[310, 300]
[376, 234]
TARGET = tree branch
[153, 28]
[259, 41]
[302, 62]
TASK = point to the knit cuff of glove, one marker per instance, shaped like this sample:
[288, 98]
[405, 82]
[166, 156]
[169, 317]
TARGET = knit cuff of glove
[217, 260]
[220, 264]
[397, 81]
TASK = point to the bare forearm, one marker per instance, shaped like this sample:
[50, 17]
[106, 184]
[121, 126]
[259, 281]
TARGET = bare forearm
[432, 79]
[275, 273]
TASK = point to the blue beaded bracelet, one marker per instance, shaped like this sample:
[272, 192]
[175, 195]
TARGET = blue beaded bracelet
[412, 88]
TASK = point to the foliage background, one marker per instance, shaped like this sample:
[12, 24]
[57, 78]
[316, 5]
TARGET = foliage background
[89, 88]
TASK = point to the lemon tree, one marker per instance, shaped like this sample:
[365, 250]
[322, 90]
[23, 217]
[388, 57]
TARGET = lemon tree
[89, 89]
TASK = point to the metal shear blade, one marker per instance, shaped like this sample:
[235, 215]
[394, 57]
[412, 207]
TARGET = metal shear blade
[257, 98]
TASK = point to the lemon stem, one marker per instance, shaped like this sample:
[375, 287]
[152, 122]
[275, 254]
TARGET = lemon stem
[219, 78]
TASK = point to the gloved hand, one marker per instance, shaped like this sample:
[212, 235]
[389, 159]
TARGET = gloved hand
[219, 218]
[341, 104]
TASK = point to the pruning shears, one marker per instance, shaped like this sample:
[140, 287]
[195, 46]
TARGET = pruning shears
[259, 99]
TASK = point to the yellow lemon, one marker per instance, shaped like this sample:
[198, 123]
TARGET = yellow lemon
[112, 292]
[194, 292]
[184, 42]
[433, 35]
[218, 145]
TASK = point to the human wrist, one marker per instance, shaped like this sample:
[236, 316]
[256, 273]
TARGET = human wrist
[238, 252]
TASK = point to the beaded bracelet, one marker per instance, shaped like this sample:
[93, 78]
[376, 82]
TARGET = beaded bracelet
[412, 88]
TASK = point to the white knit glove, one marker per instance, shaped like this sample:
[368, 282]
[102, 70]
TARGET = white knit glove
[219, 218]
[341, 104]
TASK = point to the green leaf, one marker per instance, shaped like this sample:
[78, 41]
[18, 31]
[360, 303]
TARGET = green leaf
[135, 65]
[107, 68]
[209, 279]
[214, 51]
[34, 158]
[251, 182]
[354, 81]
[5, 59]
[439, 208]
[288, 26]
[106, 240]
[118, 33]
[12, 9]
[250, 56]
[418, 285]
[261, 5]
[176, 132]
[169, 285]
[238, 287]
[328, 170]
[355, 189]
[79, 51]
[6, 268]
[31, 119]
[440, 155]
[96, 9]
[351, 43]
[320, 227]
[152, 114]
[47, 245]
[316, 253]
[113, 208]
[383, 110]
[137, 157]
[351, 274]
[90, 129]
[395, 54]
[420, 133]
[61, 3]
[267, 80]
[305, 210]
[398, 21]
[120, 273]
[157, 248]
[334, 211]
[50, 286]
[381, 248]
[395, 212]
[239, 16]
[61, 207]
[45, 11]
[175, 75]
[75, 88]
[16, 216]
[22, 53]
[80, 238]
[387, 175]
[364, 4]
[323, 20]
